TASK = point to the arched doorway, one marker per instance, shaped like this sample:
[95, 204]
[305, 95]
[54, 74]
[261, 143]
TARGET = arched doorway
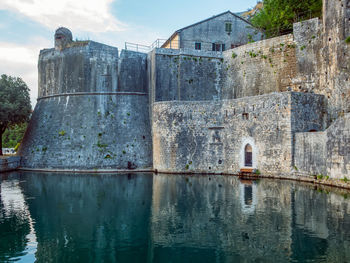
[248, 156]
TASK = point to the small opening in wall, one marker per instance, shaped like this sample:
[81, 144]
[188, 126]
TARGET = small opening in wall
[248, 156]
[245, 116]
[313, 130]
[209, 168]
[220, 161]
[329, 39]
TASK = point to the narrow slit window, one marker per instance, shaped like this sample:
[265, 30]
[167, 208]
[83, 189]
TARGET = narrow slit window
[228, 27]
[197, 46]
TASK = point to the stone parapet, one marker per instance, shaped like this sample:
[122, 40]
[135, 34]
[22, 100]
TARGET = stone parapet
[9, 163]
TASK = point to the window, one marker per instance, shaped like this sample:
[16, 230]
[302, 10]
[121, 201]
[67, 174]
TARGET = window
[197, 46]
[217, 47]
[228, 27]
[223, 47]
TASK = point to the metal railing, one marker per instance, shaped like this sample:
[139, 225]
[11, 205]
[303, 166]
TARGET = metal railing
[184, 44]
[137, 47]
[158, 43]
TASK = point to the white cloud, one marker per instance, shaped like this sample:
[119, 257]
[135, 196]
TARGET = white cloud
[21, 61]
[83, 15]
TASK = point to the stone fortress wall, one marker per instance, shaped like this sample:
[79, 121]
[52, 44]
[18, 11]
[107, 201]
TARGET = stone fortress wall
[91, 110]
[195, 111]
[185, 75]
[210, 136]
[312, 60]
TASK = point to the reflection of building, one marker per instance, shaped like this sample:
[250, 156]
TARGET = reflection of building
[130, 218]
[218, 33]
[248, 196]
[240, 220]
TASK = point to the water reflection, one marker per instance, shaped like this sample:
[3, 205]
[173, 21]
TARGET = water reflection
[169, 218]
[248, 195]
[16, 225]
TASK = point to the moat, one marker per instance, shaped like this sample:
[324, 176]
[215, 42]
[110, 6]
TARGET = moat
[169, 218]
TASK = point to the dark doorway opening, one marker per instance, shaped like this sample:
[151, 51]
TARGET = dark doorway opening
[248, 156]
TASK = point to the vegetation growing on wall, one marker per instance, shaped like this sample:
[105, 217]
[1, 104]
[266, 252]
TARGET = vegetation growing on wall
[277, 16]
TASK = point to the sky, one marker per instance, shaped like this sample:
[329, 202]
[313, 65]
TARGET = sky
[27, 26]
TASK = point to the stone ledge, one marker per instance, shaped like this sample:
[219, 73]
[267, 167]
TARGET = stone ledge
[9, 163]
[146, 170]
[291, 177]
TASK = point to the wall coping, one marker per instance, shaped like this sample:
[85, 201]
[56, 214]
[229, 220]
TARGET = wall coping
[92, 94]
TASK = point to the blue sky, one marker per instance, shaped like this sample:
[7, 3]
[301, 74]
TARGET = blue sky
[26, 26]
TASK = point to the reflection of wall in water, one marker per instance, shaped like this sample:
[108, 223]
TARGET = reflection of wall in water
[236, 217]
[102, 212]
[248, 196]
[214, 220]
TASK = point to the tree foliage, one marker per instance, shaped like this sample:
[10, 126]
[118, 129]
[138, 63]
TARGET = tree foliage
[15, 105]
[277, 16]
[13, 135]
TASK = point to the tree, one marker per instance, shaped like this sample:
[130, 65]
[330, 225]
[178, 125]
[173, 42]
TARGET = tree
[13, 135]
[277, 16]
[15, 105]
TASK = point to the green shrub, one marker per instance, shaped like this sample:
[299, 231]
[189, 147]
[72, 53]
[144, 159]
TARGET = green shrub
[347, 40]
[320, 176]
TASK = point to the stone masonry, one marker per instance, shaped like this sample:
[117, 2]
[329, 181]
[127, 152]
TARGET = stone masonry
[276, 106]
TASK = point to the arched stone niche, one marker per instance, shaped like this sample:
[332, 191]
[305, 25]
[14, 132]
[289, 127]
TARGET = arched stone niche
[248, 147]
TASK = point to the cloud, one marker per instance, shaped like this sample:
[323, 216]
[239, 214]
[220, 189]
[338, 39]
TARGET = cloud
[21, 61]
[80, 15]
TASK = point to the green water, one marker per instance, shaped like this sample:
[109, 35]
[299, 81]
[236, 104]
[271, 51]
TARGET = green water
[169, 218]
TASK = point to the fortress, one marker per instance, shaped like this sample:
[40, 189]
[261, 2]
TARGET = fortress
[275, 106]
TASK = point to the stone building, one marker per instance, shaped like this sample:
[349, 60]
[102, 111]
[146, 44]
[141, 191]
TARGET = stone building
[218, 33]
[277, 106]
